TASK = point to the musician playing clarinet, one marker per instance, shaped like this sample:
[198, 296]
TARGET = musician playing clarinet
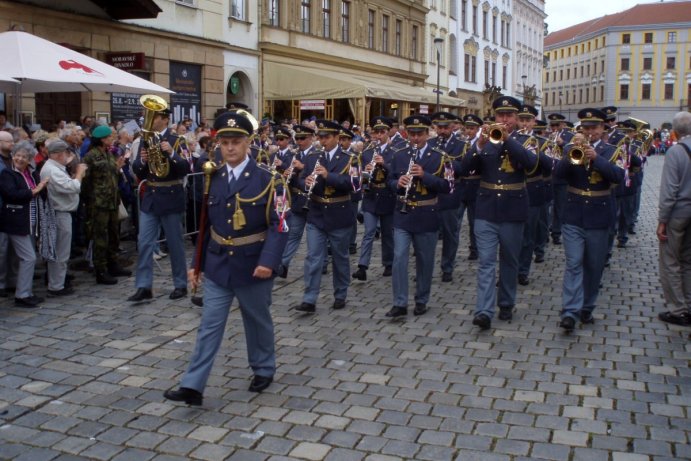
[244, 241]
[416, 174]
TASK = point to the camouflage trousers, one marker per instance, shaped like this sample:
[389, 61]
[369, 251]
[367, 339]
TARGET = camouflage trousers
[105, 232]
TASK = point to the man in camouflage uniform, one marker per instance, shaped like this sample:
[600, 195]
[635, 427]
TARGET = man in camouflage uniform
[100, 193]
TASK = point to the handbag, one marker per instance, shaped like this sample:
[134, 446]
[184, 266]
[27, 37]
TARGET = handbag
[122, 212]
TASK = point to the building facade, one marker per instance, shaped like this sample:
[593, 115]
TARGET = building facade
[638, 60]
[529, 17]
[482, 48]
[344, 59]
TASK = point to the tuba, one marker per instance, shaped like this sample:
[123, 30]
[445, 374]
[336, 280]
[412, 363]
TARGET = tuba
[158, 163]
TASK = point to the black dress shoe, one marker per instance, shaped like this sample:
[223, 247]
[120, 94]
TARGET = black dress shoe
[631, 231]
[104, 278]
[482, 321]
[682, 318]
[621, 245]
[556, 240]
[397, 311]
[387, 271]
[198, 301]
[360, 273]
[568, 324]
[259, 383]
[539, 259]
[282, 271]
[587, 317]
[360, 217]
[420, 309]
[325, 269]
[117, 270]
[29, 301]
[352, 249]
[178, 293]
[338, 304]
[141, 295]
[505, 313]
[473, 256]
[66, 291]
[185, 394]
[307, 308]
[446, 277]
[523, 279]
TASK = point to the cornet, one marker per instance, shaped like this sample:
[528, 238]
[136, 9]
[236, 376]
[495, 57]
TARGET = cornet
[493, 133]
[577, 152]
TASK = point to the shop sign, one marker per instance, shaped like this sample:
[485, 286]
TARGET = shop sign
[125, 107]
[424, 109]
[313, 104]
[126, 61]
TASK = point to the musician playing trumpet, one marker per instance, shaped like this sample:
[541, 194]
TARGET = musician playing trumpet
[417, 175]
[501, 208]
[590, 170]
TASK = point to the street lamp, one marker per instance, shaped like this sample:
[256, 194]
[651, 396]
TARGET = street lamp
[524, 78]
[438, 42]
[560, 95]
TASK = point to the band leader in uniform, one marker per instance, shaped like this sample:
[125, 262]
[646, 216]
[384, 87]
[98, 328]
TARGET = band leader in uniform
[243, 252]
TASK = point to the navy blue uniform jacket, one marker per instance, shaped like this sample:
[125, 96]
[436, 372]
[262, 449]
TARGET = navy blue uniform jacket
[419, 218]
[501, 164]
[233, 266]
[590, 212]
[164, 200]
[380, 200]
[339, 213]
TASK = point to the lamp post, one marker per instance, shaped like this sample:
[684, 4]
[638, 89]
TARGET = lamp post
[560, 95]
[438, 42]
[524, 78]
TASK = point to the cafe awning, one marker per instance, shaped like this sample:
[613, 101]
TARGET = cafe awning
[283, 81]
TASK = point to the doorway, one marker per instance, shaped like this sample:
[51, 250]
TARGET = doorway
[52, 107]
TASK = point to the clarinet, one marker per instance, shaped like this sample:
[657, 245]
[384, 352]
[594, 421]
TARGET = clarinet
[309, 189]
[404, 198]
[373, 164]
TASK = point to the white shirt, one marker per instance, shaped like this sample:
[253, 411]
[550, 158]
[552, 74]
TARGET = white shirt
[63, 191]
[330, 154]
[237, 171]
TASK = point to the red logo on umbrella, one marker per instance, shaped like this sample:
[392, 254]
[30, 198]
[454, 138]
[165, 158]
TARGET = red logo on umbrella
[72, 64]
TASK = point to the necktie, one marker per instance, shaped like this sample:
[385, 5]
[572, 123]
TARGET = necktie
[231, 184]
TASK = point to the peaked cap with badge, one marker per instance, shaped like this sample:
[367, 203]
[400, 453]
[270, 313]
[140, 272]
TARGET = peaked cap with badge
[381, 122]
[326, 127]
[506, 104]
[232, 124]
[417, 123]
[591, 116]
[472, 120]
[443, 118]
[302, 131]
[527, 111]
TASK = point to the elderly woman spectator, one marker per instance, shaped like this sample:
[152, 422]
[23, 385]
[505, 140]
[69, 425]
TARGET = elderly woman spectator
[19, 187]
[63, 195]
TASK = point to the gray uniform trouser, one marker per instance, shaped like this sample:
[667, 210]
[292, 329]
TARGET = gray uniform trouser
[58, 269]
[675, 264]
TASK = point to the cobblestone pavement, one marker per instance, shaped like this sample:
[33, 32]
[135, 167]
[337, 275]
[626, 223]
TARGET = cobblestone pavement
[82, 377]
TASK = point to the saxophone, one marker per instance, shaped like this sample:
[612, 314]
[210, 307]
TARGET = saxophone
[158, 163]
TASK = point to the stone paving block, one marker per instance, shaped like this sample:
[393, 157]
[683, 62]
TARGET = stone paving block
[208, 434]
[73, 445]
[629, 457]
[310, 451]
[38, 454]
[275, 445]
[550, 451]
[341, 439]
[102, 451]
[341, 454]
[178, 446]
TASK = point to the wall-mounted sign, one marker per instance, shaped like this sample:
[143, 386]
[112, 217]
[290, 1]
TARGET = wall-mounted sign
[424, 109]
[126, 61]
[186, 81]
[313, 104]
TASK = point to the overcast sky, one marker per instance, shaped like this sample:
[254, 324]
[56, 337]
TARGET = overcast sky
[566, 13]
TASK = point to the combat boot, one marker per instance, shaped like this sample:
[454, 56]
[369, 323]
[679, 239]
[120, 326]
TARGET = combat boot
[104, 278]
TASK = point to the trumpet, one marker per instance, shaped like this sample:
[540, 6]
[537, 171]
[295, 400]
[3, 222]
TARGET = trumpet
[577, 152]
[404, 198]
[311, 187]
[493, 133]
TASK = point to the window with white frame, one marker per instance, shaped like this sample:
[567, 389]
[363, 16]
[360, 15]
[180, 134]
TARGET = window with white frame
[237, 9]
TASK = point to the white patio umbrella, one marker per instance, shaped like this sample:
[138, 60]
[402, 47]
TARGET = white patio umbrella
[5, 78]
[43, 66]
